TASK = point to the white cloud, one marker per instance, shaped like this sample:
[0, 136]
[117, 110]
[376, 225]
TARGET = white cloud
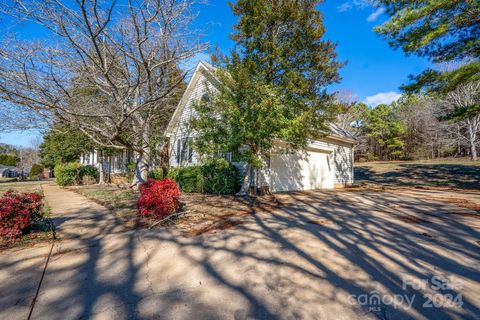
[345, 7]
[357, 4]
[382, 98]
[377, 13]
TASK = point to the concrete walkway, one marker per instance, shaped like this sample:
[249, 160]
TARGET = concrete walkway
[80, 224]
[316, 258]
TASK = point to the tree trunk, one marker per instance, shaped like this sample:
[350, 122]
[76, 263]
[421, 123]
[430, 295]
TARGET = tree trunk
[245, 182]
[142, 167]
[472, 135]
[459, 145]
[101, 173]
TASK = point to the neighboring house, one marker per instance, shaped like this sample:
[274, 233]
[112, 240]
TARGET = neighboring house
[116, 163]
[325, 164]
[9, 172]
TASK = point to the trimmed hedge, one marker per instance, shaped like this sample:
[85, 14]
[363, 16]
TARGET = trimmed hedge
[89, 171]
[73, 173]
[220, 177]
[68, 174]
[217, 176]
[157, 174]
[190, 179]
[173, 173]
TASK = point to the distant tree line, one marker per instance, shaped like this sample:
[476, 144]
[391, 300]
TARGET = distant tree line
[9, 160]
[439, 114]
[417, 126]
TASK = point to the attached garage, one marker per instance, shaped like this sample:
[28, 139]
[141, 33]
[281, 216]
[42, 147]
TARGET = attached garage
[325, 164]
[309, 170]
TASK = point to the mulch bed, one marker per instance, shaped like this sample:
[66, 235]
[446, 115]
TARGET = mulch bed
[209, 213]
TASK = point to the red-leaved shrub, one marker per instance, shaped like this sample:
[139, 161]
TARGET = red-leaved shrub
[158, 199]
[18, 211]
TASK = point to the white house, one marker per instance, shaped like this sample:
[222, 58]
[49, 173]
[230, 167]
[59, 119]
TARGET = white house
[116, 163]
[325, 164]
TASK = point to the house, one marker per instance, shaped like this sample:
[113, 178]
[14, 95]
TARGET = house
[9, 172]
[115, 164]
[325, 164]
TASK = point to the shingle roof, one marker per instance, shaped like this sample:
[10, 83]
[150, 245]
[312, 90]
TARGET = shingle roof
[340, 132]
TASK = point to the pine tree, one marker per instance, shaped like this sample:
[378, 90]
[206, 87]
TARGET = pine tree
[273, 84]
[441, 30]
[386, 132]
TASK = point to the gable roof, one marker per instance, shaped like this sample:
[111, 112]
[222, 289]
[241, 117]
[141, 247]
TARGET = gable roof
[207, 69]
[337, 132]
[202, 67]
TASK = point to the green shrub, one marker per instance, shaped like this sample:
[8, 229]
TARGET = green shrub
[372, 157]
[220, 177]
[68, 174]
[89, 175]
[157, 174]
[36, 171]
[173, 173]
[130, 170]
[89, 171]
[190, 179]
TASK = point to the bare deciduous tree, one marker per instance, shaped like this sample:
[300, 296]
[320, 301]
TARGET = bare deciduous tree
[109, 69]
[462, 106]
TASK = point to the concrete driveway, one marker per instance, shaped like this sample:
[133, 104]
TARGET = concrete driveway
[323, 255]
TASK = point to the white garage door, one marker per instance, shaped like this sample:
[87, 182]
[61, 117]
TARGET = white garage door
[301, 171]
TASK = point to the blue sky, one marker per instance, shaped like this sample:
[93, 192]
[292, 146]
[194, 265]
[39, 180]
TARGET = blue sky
[374, 71]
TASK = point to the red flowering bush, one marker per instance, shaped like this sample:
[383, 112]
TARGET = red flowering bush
[158, 199]
[18, 211]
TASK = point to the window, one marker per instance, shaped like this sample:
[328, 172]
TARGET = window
[190, 151]
[184, 151]
[179, 150]
[205, 98]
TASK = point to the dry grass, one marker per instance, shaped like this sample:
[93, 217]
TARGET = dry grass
[28, 240]
[22, 186]
[443, 173]
[120, 200]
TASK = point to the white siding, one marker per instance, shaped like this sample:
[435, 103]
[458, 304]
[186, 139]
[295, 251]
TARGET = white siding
[181, 129]
[343, 164]
[335, 154]
[342, 159]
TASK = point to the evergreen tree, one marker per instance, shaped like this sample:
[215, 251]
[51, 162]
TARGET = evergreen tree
[10, 160]
[63, 144]
[273, 85]
[443, 31]
[386, 133]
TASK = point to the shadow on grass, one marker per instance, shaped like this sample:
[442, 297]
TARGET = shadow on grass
[432, 175]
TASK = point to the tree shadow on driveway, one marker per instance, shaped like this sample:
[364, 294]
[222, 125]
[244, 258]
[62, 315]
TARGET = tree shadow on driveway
[315, 257]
